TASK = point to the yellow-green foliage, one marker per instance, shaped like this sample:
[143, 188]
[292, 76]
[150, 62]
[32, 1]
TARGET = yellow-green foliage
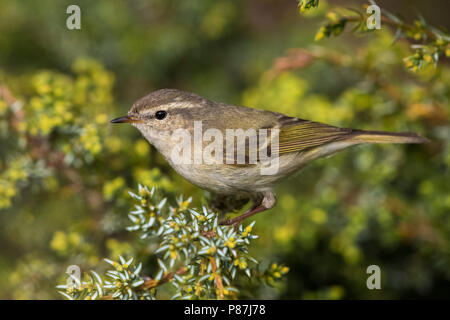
[199, 258]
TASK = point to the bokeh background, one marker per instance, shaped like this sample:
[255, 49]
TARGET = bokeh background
[65, 171]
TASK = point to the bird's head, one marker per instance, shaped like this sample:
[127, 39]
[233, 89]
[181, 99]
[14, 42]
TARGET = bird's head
[161, 112]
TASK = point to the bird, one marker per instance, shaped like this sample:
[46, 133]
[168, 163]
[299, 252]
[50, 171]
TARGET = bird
[167, 116]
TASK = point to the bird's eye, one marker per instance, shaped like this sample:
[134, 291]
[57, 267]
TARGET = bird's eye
[161, 114]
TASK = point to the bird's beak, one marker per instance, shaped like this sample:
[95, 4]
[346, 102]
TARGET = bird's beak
[126, 119]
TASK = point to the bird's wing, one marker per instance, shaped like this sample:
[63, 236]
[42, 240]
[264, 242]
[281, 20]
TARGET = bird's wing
[298, 135]
[294, 135]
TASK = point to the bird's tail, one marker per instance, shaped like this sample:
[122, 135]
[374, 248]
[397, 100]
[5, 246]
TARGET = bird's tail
[362, 136]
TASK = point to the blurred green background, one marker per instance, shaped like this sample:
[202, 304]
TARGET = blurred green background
[65, 171]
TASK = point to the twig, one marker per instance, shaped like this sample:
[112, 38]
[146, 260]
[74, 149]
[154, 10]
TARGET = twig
[150, 283]
[217, 278]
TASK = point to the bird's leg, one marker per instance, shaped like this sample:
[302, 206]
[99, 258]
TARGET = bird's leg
[267, 202]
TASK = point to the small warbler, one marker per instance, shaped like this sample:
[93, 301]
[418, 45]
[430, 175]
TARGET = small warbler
[166, 116]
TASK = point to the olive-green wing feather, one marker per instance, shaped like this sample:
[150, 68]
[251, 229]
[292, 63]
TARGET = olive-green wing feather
[294, 135]
[298, 135]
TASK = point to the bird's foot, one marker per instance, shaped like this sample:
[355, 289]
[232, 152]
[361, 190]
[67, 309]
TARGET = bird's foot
[267, 202]
[235, 221]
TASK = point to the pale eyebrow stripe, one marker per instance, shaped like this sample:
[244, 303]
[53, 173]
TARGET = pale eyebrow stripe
[173, 111]
[168, 107]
